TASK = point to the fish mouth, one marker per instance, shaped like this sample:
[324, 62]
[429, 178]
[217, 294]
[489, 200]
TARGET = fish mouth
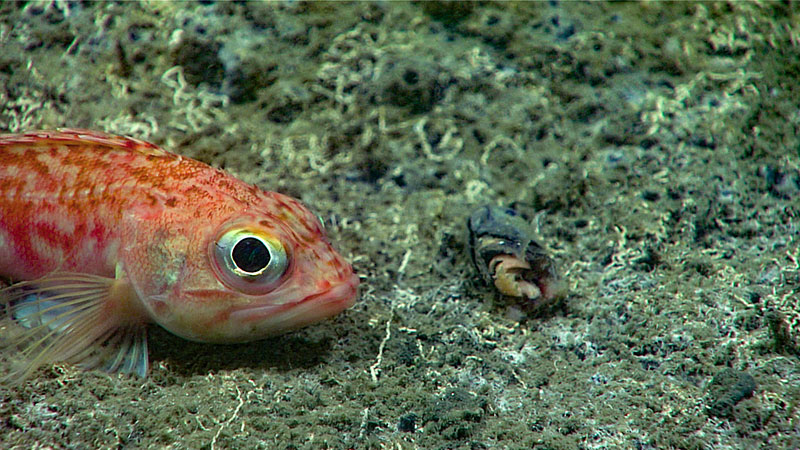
[268, 320]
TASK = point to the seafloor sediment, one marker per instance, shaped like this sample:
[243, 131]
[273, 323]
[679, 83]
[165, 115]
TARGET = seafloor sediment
[654, 147]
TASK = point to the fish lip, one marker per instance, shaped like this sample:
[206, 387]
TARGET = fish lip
[345, 291]
[330, 302]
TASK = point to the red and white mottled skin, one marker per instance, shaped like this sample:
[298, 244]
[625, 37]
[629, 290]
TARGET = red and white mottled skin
[82, 201]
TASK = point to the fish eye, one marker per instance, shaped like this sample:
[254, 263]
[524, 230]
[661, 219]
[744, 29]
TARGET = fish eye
[249, 260]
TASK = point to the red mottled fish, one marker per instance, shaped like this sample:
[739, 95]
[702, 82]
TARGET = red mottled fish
[101, 235]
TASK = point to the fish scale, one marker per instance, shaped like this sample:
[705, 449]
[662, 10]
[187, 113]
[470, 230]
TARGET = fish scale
[154, 233]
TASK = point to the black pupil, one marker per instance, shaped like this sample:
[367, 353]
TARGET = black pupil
[250, 255]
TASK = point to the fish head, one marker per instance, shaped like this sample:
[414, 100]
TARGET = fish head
[244, 275]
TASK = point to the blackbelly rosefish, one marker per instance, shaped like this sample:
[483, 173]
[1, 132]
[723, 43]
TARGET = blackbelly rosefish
[101, 235]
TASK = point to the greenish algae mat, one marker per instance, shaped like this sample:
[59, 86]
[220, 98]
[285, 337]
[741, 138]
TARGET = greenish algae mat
[653, 146]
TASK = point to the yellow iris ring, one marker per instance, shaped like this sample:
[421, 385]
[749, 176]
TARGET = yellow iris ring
[233, 275]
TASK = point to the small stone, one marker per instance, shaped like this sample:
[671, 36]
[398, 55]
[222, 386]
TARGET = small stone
[407, 423]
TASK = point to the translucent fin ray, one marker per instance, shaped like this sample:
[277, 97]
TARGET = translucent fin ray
[64, 317]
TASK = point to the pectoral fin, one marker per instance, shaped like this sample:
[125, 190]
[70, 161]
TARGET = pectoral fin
[84, 319]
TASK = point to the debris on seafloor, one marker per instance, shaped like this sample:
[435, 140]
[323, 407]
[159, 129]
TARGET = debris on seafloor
[506, 256]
